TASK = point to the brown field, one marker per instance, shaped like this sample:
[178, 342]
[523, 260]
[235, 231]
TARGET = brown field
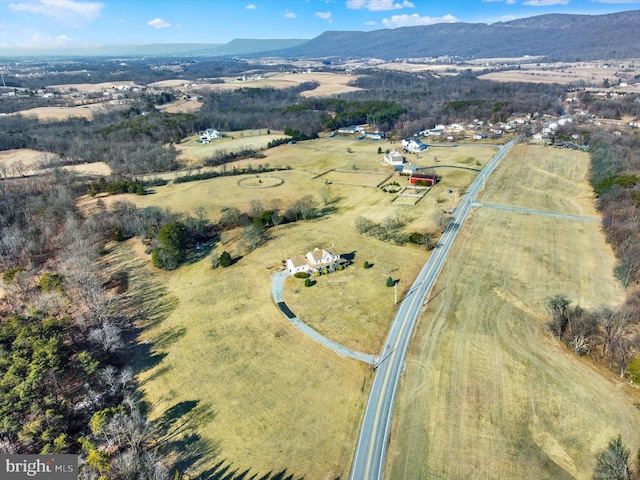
[93, 168]
[192, 152]
[330, 83]
[484, 379]
[32, 159]
[355, 177]
[60, 113]
[280, 400]
[89, 87]
[181, 106]
[565, 73]
[266, 397]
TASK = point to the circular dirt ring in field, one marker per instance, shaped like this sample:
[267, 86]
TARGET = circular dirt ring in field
[260, 181]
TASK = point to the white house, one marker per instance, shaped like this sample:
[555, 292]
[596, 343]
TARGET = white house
[479, 135]
[394, 158]
[413, 145]
[208, 135]
[409, 169]
[374, 135]
[315, 261]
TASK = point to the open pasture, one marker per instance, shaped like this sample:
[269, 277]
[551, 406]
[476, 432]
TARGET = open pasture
[27, 162]
[354, 177]
[23, 161]
[329, 83]
[484, 377]
[61, 113]
[181, 106]
[89, 87]
[192, 152]
[247, 388]
[591, 73]
[281, 400]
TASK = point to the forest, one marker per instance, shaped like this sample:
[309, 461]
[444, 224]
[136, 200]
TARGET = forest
[68, 328]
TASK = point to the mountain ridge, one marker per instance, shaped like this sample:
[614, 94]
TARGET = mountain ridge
[558, 37]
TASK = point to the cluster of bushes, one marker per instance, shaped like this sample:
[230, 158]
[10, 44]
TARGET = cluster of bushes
[192, 177]
[116, 186]
[389, 230]
[606, 333]
[426, 238]
[222, 156]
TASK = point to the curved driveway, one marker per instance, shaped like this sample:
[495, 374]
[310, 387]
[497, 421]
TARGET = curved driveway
[277, 282]
[368, 461]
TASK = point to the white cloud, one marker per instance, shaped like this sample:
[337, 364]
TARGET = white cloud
[415, 19]
[68, 11]
[508, 2]
[616, 1]
[158, 23]
[324, 16]
[290, 15]
[379, 5]
[251, 6]
[371, 23]
[545, 3]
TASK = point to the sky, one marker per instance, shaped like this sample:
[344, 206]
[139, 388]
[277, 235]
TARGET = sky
[84, 23]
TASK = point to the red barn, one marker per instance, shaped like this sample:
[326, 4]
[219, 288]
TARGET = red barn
[423, 179]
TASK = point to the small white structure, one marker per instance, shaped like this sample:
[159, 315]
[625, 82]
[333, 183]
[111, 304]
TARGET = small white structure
[394, 158]
[315, 261]
[479, 135]
[208, 135]
[409, 169]
[413, 145]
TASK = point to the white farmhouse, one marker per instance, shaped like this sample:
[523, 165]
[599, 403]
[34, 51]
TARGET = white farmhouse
[394, 158]
[413, 145]
[208, 135]
[316, 260]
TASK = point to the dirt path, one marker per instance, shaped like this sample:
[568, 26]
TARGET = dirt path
[487, 393]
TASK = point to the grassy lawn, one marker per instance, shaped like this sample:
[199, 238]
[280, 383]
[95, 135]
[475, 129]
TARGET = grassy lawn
[264, 396]
[484, 379]
[192, 152]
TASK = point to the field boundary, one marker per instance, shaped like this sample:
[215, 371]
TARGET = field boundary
[317, 178]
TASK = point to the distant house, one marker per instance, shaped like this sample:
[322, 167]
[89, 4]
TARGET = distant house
[409, 169]
[352, 129]
[374, 135]
[423, 179]
[208, 135]
[479, 135]
[316, 260]
[394, 158]
[413, 145]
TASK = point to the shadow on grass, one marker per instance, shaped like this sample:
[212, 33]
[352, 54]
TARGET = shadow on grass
[177, 430]
[225, 471]
[349, 256]
[200, 251]
[144, 357]
[169, 337]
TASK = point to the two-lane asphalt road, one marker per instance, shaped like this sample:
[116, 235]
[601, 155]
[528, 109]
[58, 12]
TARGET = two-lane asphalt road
[368, 461]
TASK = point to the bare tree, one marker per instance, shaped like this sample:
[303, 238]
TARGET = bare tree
[613, 324]
[255, 208]
[107, 337]
[325, 194]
